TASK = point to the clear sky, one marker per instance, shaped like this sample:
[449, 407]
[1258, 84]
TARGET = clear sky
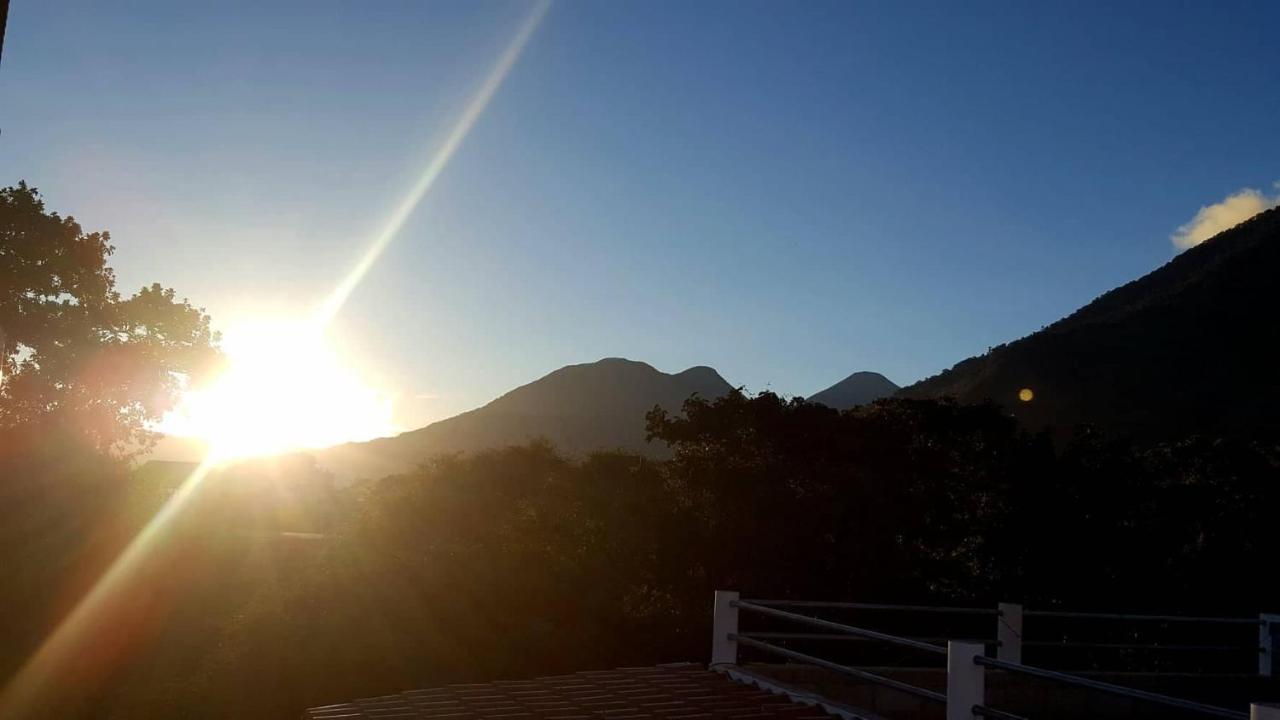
[787, 192]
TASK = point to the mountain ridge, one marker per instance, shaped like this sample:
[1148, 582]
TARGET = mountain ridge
[1189, 347]
[579, 408]
[859, 388]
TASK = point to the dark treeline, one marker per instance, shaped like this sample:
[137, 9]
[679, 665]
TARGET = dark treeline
[278, 590]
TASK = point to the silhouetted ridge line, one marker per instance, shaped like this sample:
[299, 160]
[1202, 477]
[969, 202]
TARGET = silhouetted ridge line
[578, 408]
[1191, 347]
[859, 388]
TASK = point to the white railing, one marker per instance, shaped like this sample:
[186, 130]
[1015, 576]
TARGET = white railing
[967, 659]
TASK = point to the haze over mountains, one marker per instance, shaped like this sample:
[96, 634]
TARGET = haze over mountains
[1191, 347]
[578, 408]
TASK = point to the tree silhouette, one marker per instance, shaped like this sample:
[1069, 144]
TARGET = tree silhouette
[76, 355]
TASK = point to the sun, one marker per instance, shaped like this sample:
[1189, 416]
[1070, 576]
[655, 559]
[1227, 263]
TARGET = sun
[284, 388]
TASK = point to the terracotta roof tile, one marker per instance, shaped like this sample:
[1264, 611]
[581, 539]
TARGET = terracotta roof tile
[666, 692]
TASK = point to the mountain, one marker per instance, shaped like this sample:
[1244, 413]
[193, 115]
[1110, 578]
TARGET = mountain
[1192, 347]
[859, 388]
[579, 408]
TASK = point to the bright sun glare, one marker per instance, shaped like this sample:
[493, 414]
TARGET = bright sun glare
[284, 388]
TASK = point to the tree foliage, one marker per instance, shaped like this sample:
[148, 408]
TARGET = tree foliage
[74, 353]
[275, 590]
[521, 561]
[282, 591]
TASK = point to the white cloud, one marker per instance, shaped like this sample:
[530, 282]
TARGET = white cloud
[1213, 219]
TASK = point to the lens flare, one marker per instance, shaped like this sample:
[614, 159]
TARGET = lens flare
[36, 680]
[92, 616]
[437, 165]
[285, 388]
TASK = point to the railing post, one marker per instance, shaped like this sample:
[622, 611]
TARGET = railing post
[966, 683]
[1264, 711]
[724, 622]
[1009, 632]
[1268, 629]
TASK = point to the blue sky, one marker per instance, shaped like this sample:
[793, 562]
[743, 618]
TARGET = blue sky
[788, 192]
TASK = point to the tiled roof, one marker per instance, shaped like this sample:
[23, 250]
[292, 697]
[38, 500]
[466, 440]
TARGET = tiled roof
[666, 692]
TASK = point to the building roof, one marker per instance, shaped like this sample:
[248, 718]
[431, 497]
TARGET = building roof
[665, 692]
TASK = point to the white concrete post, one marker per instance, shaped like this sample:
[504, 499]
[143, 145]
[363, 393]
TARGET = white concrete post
[1009, 632]
[724, 620]
[966, 682]
[1264, 711]
[1268, 629]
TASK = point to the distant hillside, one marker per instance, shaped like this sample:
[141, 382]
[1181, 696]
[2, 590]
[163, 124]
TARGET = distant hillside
[579, 408]
[1191, 347]
[859, 388]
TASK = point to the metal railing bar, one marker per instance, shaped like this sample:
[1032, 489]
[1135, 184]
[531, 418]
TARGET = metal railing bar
[819, 622]
[1119, 690]
[855, 672]
[985, 711]
[1157, 618]
[873, 606]
[857, 638]
[1139, 646]
[1159, 674]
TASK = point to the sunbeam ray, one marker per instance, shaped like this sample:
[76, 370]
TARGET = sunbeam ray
[23, 693]
[465, 122]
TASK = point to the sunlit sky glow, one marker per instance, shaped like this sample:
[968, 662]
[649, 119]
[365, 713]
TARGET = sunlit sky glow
[785, 192]
[396, 211]
[285, 387]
